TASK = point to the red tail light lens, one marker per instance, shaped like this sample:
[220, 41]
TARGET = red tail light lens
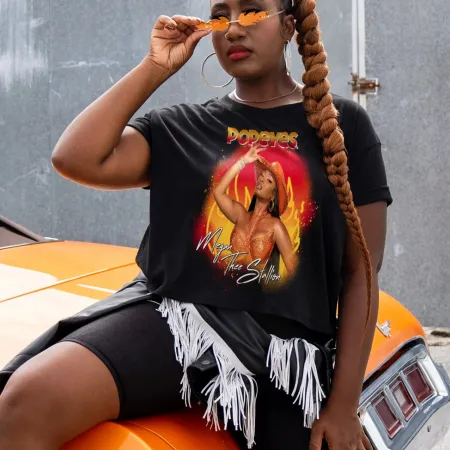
[387, 416]
[419, 385]
[403, 398]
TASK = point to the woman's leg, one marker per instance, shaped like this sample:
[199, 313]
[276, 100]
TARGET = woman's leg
[55, 396]
[119, 366]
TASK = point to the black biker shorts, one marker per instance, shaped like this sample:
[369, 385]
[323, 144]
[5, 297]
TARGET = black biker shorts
[136, 345]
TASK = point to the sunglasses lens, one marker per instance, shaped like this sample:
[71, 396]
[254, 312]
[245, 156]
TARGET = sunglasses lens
[220, 24]
[252, 18]
[204, 26]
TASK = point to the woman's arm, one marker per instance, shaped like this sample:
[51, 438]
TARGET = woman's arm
[229, 207]
[284, 244]
[97, 149]
[339, 422]
[353, 344]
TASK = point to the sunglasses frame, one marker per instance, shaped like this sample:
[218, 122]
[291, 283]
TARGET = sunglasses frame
[238, 21]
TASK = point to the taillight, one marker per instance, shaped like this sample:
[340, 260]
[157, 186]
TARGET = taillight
[419, 385]
[403, 398]
[387, 416]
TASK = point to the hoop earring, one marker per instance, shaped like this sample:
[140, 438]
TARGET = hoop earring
[204, 78]
[288, 57]
[272, 207]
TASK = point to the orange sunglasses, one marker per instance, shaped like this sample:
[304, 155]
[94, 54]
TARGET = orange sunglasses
[244, 19]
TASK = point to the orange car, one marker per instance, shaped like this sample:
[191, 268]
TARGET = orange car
[404, 403]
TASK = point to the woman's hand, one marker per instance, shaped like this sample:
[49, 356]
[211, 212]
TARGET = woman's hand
[252, 155]
[173, 42]
[340, 428]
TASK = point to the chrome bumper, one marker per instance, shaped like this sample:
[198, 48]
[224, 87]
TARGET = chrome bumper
[432, 420]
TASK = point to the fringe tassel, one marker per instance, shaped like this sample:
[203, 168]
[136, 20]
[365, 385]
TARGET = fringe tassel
[308, 393]
[190, 339]
[233, 388]
[236, 392]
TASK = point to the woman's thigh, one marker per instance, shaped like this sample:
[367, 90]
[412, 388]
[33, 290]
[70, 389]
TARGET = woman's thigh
[56, 395]
[136, 345]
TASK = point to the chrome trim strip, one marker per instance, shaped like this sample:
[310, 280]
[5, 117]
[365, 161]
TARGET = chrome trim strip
[404, 344]
[97, 288]
[410, 391]
[373, 431]
[30, 243]
[433, 375]
[394, 405]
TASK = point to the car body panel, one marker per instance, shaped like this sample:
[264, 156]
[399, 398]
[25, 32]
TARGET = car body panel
[404, 328]
[117, 436]
[165, 432]
[57, 262]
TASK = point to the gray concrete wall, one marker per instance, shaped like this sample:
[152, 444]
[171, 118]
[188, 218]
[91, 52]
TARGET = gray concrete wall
[54, 62]
[408, 49]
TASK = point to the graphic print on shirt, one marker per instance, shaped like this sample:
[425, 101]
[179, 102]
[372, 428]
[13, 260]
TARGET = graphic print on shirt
[253, 218]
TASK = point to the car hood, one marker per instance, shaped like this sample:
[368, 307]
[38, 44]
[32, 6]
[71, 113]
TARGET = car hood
[29, 268]
[41, 284]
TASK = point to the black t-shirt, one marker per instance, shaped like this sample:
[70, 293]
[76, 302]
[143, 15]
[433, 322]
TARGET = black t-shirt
[285, 265]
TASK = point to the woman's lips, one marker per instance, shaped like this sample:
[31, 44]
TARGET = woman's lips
[236, 56]
[259, 186]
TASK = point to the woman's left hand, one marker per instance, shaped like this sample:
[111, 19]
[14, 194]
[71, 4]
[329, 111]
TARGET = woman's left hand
[252, 155]
[340, 428]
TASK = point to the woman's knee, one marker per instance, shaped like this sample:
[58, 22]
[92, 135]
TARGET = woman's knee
[65, 390]
[19, 402]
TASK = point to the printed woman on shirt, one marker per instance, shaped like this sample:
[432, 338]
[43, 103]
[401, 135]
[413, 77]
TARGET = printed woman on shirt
[258, 233]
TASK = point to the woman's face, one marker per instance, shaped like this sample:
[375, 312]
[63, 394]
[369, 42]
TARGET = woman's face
[265, 186]
[263, 43]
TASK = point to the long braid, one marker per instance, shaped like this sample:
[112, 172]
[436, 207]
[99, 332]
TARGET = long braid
[322, 115]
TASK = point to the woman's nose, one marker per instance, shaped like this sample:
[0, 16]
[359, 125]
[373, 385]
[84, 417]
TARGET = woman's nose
[235, 32]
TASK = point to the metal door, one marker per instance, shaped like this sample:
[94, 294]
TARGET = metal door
[407, 48]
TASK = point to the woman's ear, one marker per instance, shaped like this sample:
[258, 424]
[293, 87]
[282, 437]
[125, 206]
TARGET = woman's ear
[288, 27]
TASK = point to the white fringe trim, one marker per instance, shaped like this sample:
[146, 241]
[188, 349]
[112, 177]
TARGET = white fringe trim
[308, 394]
[192, 337]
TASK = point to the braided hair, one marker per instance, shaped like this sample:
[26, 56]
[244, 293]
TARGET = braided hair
[323, 116]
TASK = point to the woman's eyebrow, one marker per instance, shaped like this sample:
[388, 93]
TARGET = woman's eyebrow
[261, 3]
[241, 3]
[219, 5]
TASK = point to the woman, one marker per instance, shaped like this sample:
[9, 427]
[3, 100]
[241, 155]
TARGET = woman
[258, 234]
[106, 368]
